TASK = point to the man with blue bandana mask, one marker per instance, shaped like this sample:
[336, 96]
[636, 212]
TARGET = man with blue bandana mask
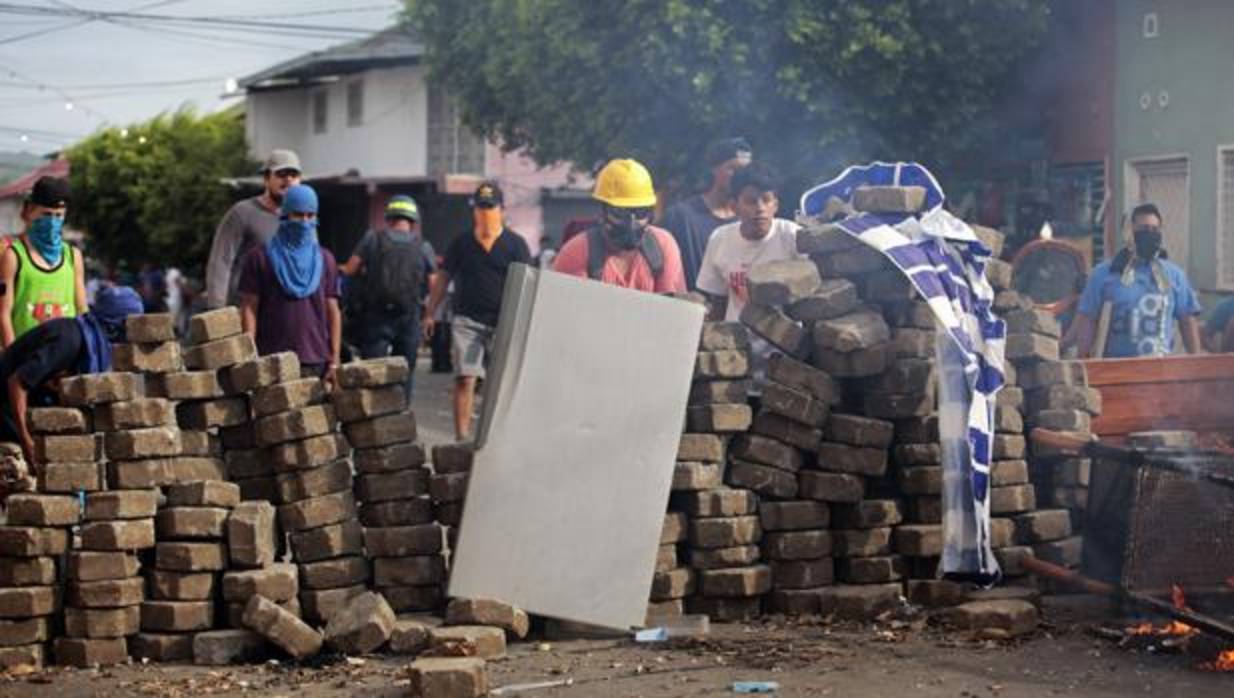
[289, 290]
[42, 277]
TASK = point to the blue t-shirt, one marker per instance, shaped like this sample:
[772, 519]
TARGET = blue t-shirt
[1142, 317]
[1220, 317]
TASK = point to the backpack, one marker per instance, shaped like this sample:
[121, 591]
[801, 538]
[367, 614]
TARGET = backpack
[597, 252]
[395, 276]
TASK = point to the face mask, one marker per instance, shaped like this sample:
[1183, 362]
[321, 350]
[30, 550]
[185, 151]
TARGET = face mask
[625, 230]
[1147, 242]
[44, 232]
[295, 233]
[487, 225]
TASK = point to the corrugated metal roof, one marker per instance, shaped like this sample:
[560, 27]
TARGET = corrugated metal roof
[397, 45]
[22, 185]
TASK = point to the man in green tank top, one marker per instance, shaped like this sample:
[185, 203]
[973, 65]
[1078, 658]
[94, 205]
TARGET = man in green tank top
[42, 276]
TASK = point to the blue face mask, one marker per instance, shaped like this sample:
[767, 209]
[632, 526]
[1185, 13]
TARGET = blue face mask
[44, 232]
[296, 233]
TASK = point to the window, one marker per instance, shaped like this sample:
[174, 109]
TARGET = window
[1225, 218]
[321, 106]
[355, 103]
[452, 147]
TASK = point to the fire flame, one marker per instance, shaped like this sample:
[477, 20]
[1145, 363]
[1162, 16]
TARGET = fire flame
[1171, 628]
[1223, 662]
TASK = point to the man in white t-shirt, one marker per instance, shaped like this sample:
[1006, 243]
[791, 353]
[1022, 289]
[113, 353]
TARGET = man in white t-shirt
[757, 237]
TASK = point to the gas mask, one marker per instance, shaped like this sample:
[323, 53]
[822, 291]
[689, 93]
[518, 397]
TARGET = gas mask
[1147, 242]
[625, 226]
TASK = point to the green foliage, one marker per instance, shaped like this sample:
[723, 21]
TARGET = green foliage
[153, 192]
[812, 83]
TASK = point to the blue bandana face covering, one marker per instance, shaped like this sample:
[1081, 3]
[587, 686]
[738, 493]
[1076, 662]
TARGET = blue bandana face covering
[44, 233]
[296, 257]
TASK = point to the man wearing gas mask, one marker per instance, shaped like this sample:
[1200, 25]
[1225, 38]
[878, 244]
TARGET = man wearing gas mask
[42, 277]
[623, 248]
[1142, 294]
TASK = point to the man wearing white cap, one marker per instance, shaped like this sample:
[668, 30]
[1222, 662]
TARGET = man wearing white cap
[248, 224]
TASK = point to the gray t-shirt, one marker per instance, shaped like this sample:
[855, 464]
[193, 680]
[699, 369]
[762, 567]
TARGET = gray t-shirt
[246, 225]
[366, 249]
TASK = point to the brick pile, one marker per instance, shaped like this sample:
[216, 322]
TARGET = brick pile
[451, 467]
[722, 530]
[399, 535]
[35, 534]
[105, 590]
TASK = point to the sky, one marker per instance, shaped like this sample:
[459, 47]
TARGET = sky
[68, 69]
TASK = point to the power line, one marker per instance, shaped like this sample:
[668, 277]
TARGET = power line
[219, 22]
[122, 85]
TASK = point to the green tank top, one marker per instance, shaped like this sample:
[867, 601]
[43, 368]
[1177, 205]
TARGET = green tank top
[40, 295]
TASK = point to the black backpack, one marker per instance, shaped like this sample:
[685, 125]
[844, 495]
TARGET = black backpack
[394, 277]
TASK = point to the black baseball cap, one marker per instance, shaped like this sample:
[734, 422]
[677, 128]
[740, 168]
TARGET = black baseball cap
[725, 149]
[487, 194]
[52, 192]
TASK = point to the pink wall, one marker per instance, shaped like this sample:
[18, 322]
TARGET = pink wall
[522, 180]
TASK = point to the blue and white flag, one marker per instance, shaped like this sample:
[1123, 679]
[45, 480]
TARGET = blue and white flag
[945, 261]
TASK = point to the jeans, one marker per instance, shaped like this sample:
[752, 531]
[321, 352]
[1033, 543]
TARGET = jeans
[395, 334]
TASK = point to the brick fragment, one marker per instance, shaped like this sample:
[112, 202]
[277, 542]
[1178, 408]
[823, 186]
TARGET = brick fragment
[852, 332]
[870, 570]
[346, 538]
[704, 448]
[824, 238]
[794, 404]
[208, 414]
[222, 647]
[28, 571]
[830, 487]
[84, 476]
[719, 418]
[220, 352]
[191, 385]
[260, 372]
[379, 487]
[834, 297]
[413, 598]
[200, 443]
[155, 357]
[335, 572]
[90, 652]
[489, 642]
[308, 453]
[1010, 616]
[176, 616]
[859, 601]
[151, 442]
[782, 282]
[106, 593]
[868, 513]
[399, 512]
[214, 324]
[68, 448]
[408, 571]
[889, 199]
[1012, 499]
[175, 523]
[373, 373]
[282, 628]
[449, 677]
[719, 502]
[448, 487]
[382, 431]
[31, 541]
[921, 480]
[1040, 526]
[714, 392]
[1063, 420]
[917, 454]
[919, 540]
[737, 581]
[797, 545]
[27, 602]
[724, 532]
[794, 515]
[385, 459]
[726, 610]
[1065, 553]
[296, 424]
[24, 631]
[856, 364]
[190, 557]
[150, 327]
[403, 541]
[723, 335]
[290, 395]
[773, 325]
[29, 509]
[59, 420]
[765, 480]
[717, 558]
[1008, 472]
[688, 477]
[933, 593]
[722, 364]
[788, 431]
[861, 542]
[130, 534]
[277, 582]
[802, 574]
[162, 647]
[843, 458]
[91, 566]
[316, 482]
[362, 625]
[101, 388]
[180, 586]
[358, 404]
[671, 584]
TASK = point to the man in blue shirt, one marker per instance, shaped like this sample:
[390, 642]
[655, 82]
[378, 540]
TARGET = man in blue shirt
[1146, 293]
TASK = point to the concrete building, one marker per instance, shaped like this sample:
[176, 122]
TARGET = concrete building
[1173, 144]
[367, 124]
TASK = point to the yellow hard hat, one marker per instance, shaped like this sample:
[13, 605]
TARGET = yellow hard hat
[625, 184]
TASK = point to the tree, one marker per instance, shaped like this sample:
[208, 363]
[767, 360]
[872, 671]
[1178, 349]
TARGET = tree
[813, 83]
[154, 192]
